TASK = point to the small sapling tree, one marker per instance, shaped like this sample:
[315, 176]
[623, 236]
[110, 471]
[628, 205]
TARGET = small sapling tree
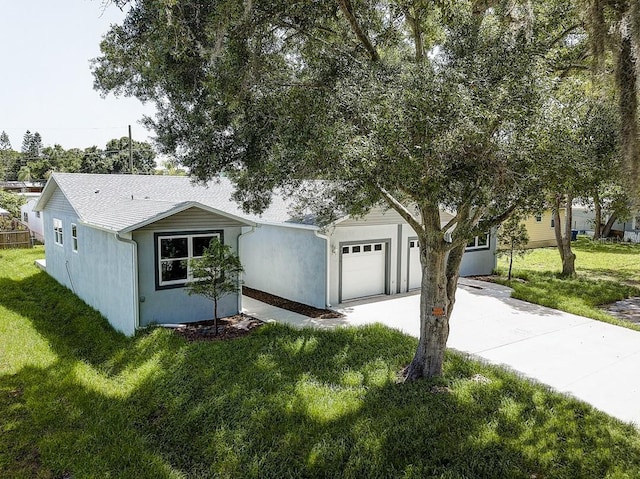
[216, 274]
[513, 235]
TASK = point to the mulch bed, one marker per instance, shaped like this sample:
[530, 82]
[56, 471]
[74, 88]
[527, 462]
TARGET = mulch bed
[289, 305]
[230, 327]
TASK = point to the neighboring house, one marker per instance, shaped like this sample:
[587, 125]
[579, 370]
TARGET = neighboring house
[22, 186]
[33, 219]
[4, 213]
[121, 243]
[584, 221]
[540, 228]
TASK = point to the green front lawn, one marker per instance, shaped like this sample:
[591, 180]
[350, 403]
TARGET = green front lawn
[79, 400]
[606, 272]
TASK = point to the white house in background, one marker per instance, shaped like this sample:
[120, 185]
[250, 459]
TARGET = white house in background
[122, 244]
[584, 220]
[33, 219]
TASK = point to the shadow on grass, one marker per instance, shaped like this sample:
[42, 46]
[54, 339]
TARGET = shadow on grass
[279, 403]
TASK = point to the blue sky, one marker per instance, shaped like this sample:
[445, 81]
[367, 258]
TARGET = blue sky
[45, 81]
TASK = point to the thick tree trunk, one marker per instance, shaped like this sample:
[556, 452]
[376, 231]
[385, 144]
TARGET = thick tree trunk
[440, 270]
[606, 231]
[597, 227]
[564, 240]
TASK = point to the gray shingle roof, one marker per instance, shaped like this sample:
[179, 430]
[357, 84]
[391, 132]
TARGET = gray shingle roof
[125, 202]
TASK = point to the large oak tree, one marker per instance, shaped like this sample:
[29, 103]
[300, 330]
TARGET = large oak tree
[414, 104]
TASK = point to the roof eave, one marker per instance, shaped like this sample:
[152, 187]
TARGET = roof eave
[182, 207]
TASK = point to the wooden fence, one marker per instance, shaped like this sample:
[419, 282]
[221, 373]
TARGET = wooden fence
[15, 239]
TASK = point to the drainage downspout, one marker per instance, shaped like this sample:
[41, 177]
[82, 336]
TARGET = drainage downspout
[327, 275]
[136, 305]
[240, 236]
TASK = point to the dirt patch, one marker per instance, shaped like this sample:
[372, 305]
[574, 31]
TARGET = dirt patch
[228, 328]
[283, 303]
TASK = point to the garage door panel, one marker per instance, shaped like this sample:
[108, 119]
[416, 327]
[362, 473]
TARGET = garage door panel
[415, 268]
[363, 270]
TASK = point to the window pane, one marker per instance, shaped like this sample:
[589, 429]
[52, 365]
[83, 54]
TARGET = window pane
[483, 240]
[412, 244]
[174, 270]
[174, 248]
[355, 249]
[472, 243]
[200, 243]
[74, 231]
[345, 250]
[378, 247]
[367, 247]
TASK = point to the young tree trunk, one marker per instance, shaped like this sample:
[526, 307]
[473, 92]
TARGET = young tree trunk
[510, 262]
[440, 270]
[564, 241]
[597, 227]
[215, 316]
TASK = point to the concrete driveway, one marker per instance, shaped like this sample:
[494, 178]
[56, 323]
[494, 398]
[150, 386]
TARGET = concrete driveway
[591, 360]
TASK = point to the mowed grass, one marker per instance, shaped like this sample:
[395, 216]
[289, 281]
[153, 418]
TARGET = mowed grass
[78, 400]
[606, 272]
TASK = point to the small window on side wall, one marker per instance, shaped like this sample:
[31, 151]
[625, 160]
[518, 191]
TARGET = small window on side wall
[478, 243]
[74, 237]
[57, 232]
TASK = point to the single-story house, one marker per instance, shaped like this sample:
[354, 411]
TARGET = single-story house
[120, 243]
[32, 219]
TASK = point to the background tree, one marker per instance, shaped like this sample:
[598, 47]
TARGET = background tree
[513, 239]
[577, 157]
[8, 157]
[117, 155]
[12, 203]
[614, 28]
[216, 275]
[408, 104]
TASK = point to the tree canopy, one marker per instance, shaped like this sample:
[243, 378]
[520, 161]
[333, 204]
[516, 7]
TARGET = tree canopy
[37, 162]
[419, 105]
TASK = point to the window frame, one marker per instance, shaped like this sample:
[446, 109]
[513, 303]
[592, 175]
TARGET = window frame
[74, 237]
[58, 234]
[477, 246]
[158, 261]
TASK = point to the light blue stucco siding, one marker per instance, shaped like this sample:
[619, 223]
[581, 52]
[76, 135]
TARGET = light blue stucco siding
[288, 262]
[175, 305]
[480, 262]
[100, 272]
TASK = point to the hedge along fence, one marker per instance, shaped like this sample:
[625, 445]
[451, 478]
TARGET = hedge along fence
[15, 239]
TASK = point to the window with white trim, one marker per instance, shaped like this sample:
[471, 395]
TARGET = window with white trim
[25, 217]
[57, 232]
[174, 251]
[74, 237]
[479, 242]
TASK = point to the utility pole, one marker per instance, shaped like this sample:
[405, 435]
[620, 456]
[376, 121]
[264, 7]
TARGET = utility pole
[130, 152]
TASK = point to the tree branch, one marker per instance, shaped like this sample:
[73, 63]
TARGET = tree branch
[563, 34]
[401, 209]
[414, 23]
[347, 9]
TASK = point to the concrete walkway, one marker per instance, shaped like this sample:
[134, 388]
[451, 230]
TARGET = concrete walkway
[593, 361]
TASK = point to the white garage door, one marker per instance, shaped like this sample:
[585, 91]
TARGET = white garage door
[363, 270]
[415, 269]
